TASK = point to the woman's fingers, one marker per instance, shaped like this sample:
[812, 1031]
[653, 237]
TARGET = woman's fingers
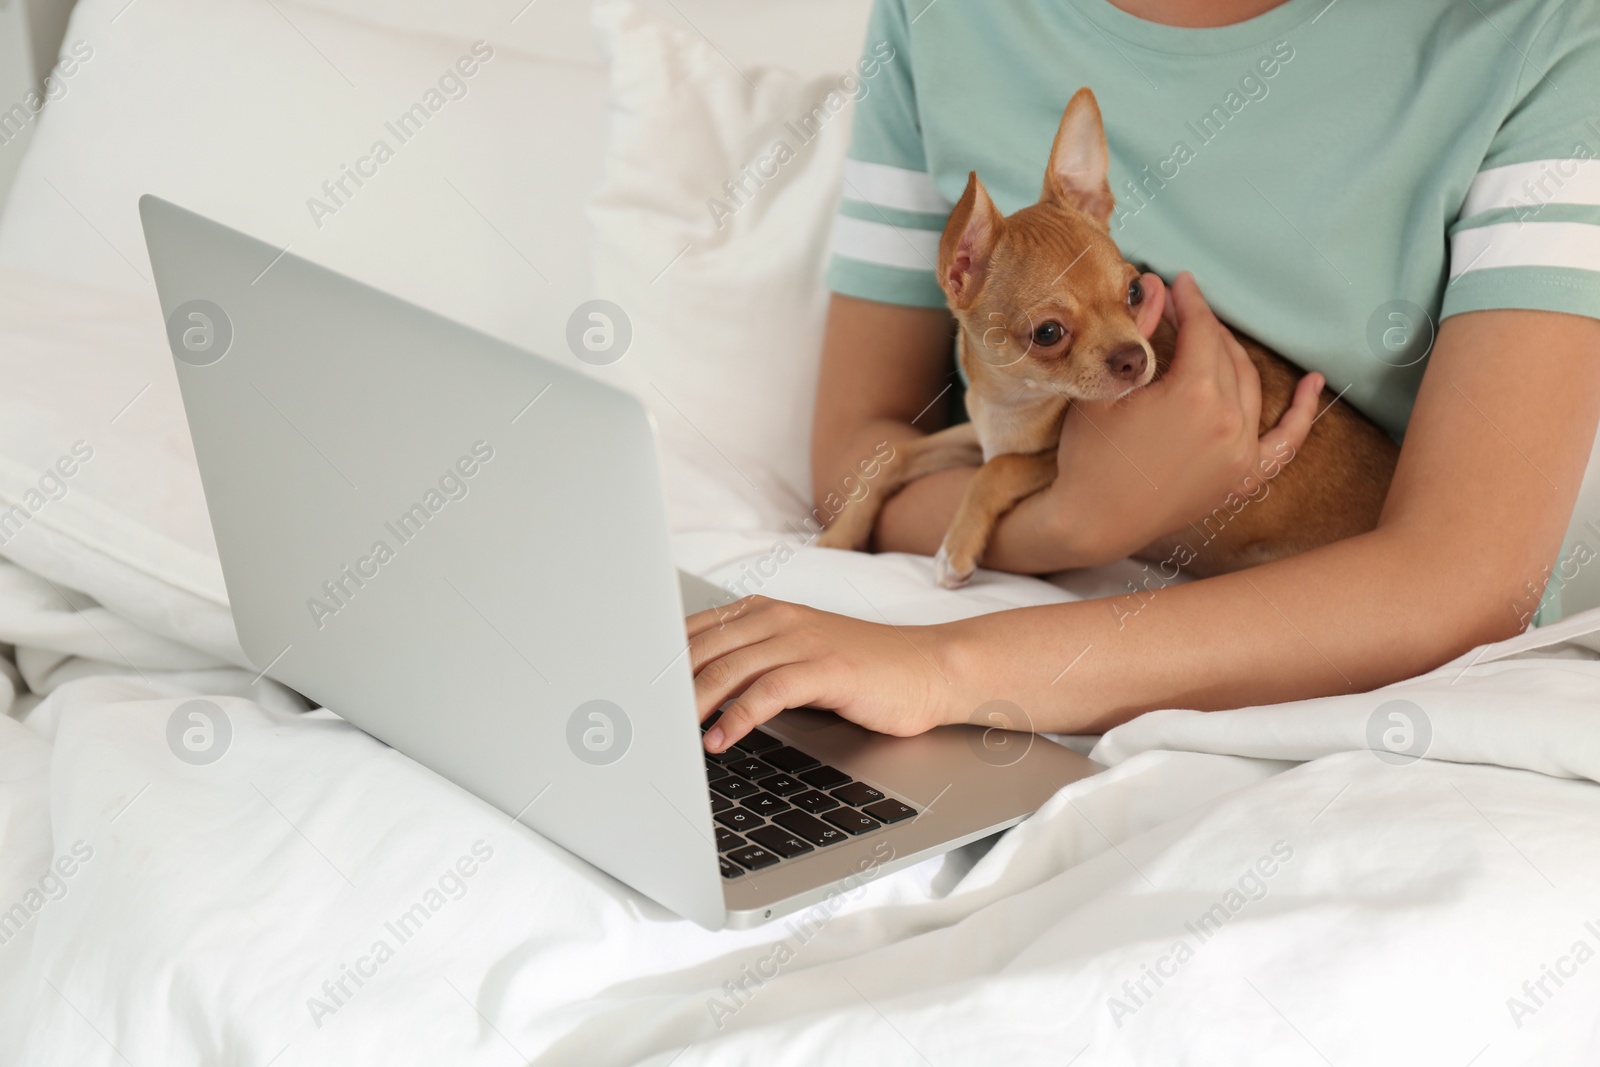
[715, 632]
[1155, 307]
[1209, 336]
[1199, 336]
[791, 685]
[745, 660]
[1198, 316]
[701, 621]
[1238, 382]
[1187, 302]
[718, 617]
[1169, 310]
[1248, 384]
[1295, 425]
[728, 675]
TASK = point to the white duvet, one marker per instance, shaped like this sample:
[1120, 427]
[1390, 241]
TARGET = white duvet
[1242, 887]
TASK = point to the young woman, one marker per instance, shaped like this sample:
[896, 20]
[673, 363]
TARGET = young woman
[1402, 198]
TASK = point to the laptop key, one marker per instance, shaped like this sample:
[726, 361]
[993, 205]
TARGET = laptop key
[740, 819]
[727, 839]
[757, 742]
[788, 759]
[720, 804]
[857, 794]
[889, 811]
[714, 771]
[753, 857]
[814, 802]
[729, 756]
[782, 785]
[735, 788]
[816, 831]
[851, 821]
[728, 869]
[824, 777]
[765, 804]
[751, 768]
[776, 839]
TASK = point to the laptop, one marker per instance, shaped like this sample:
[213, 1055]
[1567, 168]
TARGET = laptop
[461, 548]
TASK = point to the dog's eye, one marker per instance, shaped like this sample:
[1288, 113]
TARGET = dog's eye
[1135, 293]
[1048, 335]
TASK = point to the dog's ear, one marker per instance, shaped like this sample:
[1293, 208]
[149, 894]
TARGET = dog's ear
[1076, 177]
[968, 242]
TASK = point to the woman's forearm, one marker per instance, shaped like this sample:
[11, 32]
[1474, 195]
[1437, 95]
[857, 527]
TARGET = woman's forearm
[1345, 618]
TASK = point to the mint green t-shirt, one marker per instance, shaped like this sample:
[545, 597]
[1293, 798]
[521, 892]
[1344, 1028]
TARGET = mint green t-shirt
[1339, 176]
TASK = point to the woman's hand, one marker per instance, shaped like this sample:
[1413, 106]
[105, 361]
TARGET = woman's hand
[1134, 469]
[767, 655]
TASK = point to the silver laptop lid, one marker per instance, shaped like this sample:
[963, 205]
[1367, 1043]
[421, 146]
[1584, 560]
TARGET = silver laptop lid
[456, 545]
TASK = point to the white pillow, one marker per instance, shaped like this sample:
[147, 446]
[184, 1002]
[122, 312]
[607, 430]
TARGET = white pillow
[97, 475]
[243, 110]
[725, 295]
[807, 36]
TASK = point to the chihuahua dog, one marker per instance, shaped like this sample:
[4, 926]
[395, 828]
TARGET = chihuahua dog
[1047, 309]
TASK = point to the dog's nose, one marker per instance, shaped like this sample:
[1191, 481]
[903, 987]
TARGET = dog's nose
[1128, 363]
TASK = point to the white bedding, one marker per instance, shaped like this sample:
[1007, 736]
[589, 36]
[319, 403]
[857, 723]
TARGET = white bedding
[1415, 913]
[1405, 905]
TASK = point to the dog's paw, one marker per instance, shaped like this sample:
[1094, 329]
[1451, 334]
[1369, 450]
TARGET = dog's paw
[952, 573]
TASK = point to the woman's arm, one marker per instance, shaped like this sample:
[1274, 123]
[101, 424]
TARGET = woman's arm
[884, 377]
[1494, 454]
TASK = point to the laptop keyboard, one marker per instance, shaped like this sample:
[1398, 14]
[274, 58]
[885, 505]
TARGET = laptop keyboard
[772, 802]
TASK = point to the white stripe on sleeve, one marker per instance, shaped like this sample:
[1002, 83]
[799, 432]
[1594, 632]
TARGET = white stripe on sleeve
[1526, 244]
[1532, 185]
[885, 245]
[892, 187]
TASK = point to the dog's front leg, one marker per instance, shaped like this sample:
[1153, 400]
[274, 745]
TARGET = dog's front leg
[955, 446]
[993, 491]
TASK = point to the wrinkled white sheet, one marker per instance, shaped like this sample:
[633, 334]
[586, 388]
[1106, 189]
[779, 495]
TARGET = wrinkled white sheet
[1360, 911]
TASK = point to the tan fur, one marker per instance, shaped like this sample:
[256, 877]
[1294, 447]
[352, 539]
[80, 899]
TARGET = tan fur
[1055, 262]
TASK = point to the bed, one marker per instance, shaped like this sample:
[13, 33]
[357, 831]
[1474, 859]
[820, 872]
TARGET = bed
[1276, 885]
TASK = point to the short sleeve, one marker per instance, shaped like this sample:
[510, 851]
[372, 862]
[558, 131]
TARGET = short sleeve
[1528, 235]
[886, 235]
